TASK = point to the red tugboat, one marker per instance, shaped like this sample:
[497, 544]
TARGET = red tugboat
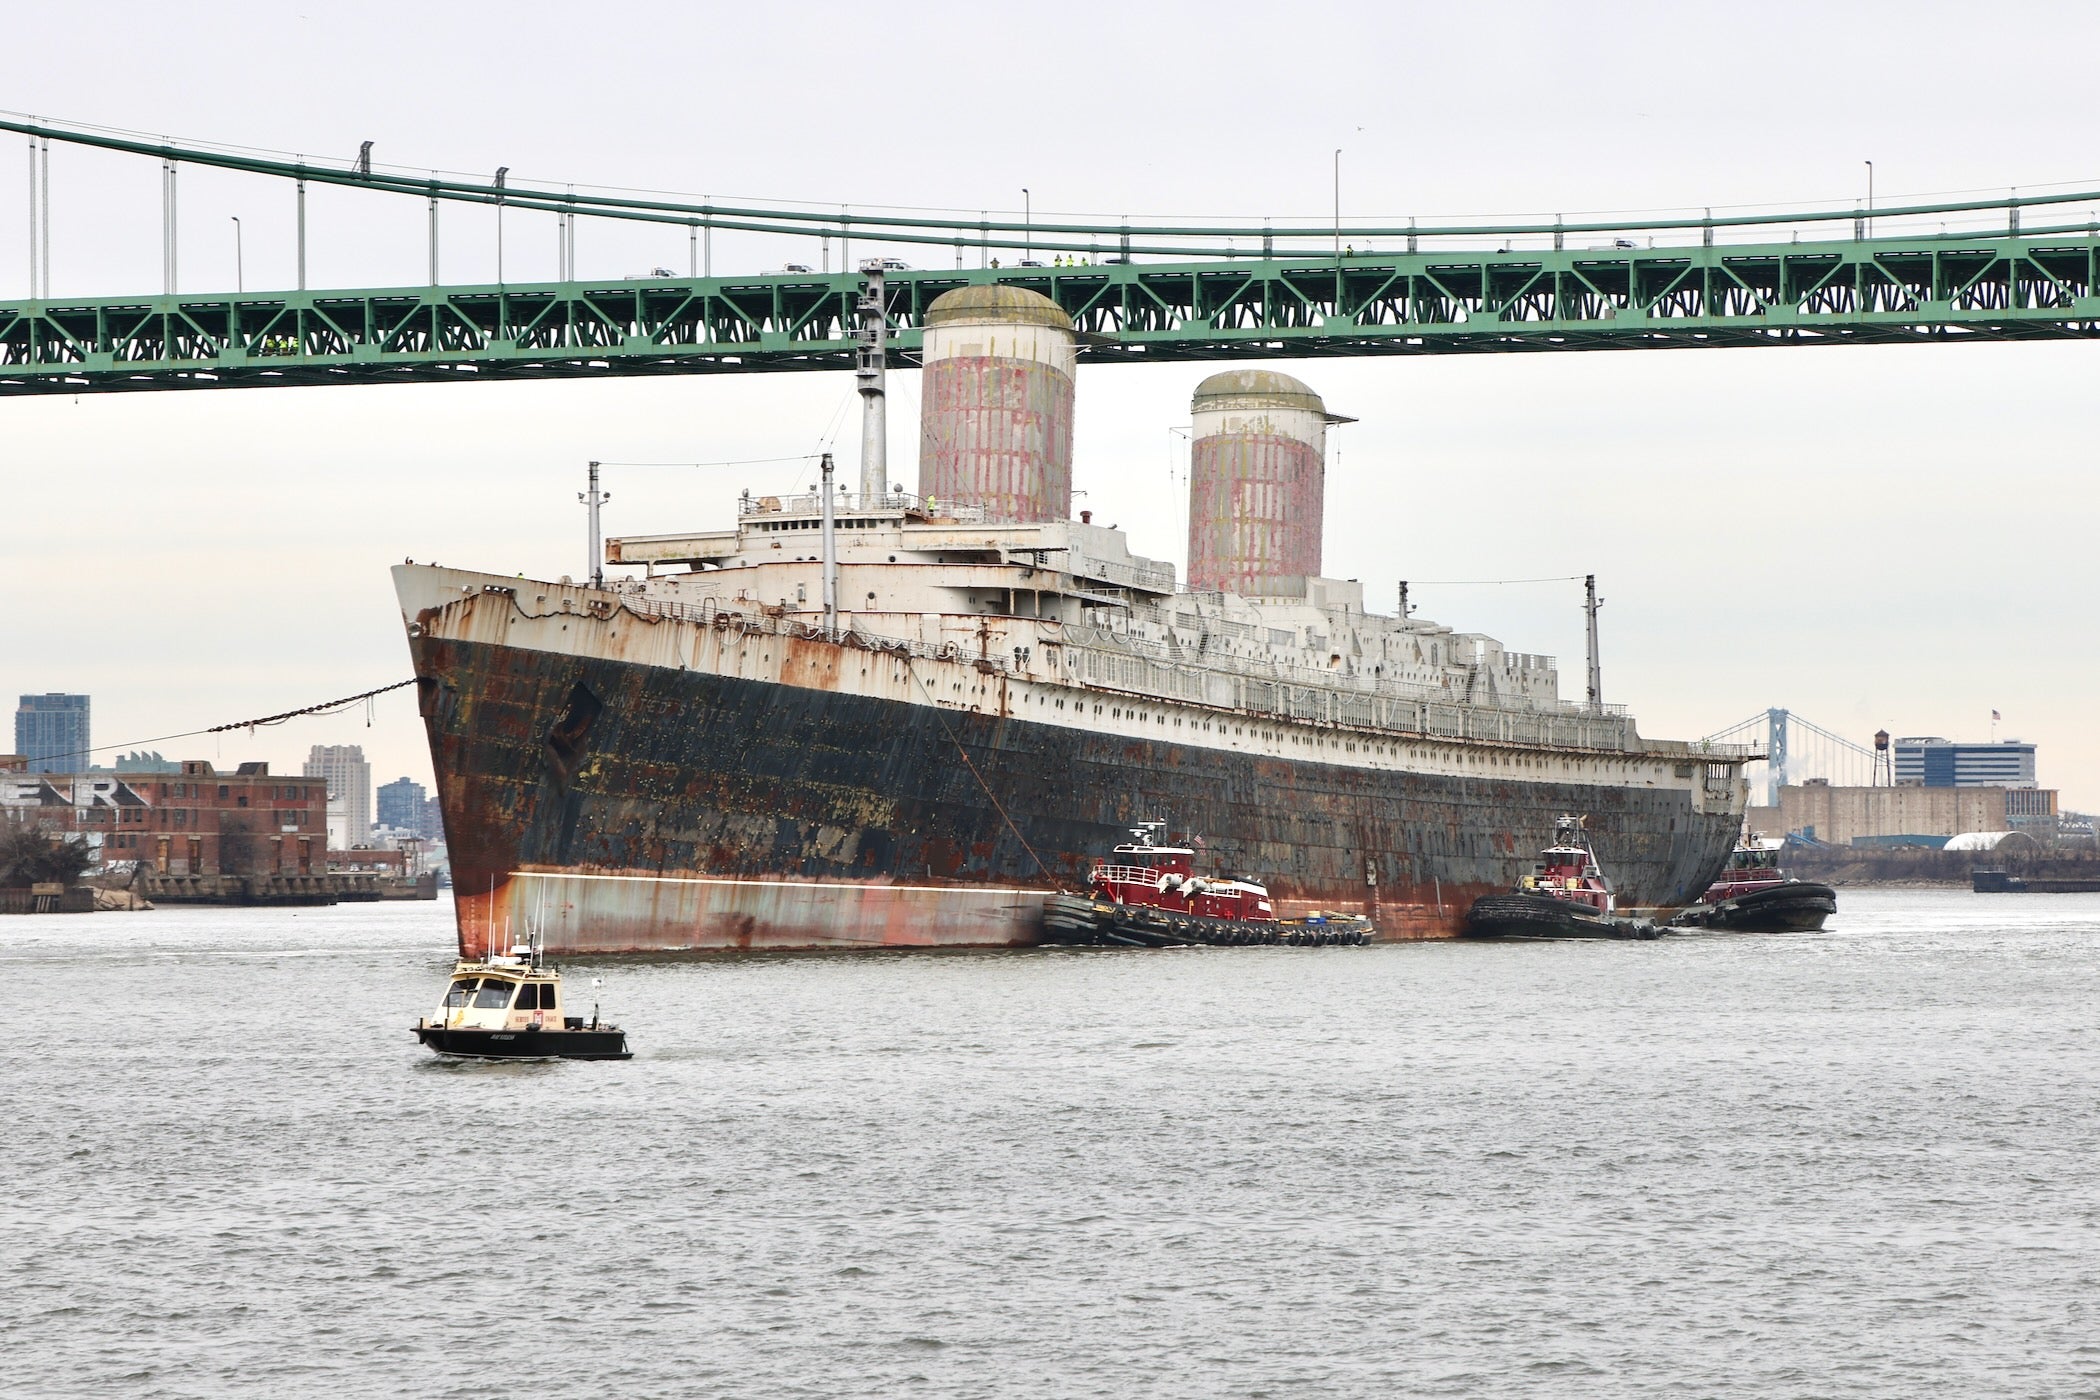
[1753, 895]
[1565, 896]
[1149, 896]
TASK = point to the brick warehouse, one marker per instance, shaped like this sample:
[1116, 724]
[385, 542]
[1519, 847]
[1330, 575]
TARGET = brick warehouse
[196, 822]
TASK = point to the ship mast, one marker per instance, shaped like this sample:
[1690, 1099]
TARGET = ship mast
[593, 499]
[1590, 603]
[831, 553]
[874, 418]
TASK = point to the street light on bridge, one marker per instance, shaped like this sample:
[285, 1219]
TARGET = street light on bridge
[1337, 203]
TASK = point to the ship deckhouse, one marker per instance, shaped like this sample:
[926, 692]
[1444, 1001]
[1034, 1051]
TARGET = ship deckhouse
[1070, 599]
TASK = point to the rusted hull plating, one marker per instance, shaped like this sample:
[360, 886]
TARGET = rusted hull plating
[637, 912]
[624, 807]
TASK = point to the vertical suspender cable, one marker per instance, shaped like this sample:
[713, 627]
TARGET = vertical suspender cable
[174, 225]
[47, 217]
[707, 251]
[302, 234]
[433, 234]
[32, 218]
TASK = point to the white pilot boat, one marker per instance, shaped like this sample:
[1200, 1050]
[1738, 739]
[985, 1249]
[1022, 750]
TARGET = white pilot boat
[511, 1008]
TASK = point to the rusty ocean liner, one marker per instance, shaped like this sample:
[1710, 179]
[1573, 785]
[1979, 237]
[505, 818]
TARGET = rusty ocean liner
[877, 718]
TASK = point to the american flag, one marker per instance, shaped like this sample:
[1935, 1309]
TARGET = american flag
[1995, 717]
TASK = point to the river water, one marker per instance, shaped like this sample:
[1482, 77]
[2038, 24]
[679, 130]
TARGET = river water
[1859, 1163]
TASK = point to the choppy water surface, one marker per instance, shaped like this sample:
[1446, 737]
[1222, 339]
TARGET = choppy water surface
[1858, 1163]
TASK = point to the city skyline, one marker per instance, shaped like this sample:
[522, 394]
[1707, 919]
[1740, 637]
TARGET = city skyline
[349, 777]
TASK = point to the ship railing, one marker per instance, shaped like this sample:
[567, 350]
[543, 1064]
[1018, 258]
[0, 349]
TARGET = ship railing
[1699, 748]
[715, 612]
[892, 502]
[1156, 578]
[1123, 875]
[1210, 657]
[1430, 713]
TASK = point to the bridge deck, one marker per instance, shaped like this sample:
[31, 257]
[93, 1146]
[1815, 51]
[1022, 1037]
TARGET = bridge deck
[1861, 291]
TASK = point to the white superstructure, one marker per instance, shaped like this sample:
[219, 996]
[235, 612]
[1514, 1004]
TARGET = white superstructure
[1068, 617]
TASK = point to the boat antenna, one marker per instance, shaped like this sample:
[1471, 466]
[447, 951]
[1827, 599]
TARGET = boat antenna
[488, 942]
[538, 936]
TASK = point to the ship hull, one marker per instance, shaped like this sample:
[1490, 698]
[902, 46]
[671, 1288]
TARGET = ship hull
[1798, 906]
[1524, 915]
[618, 805]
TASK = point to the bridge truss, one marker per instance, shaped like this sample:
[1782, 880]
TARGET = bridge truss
[1189, 299]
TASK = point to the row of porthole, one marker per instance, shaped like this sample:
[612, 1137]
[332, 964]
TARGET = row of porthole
[1274, 737]
[1277, 738]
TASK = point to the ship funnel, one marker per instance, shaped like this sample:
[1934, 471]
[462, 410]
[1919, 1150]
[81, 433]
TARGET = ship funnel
[1257, 481]
[996, 420]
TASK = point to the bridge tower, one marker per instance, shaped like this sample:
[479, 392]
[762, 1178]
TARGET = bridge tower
[1775, 749]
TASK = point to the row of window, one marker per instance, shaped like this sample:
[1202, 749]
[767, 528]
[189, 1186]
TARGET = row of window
[493, 994]
[279, 792]
[180, 816]
[773, 526]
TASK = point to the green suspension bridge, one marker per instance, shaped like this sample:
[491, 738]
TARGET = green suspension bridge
[2018, 270]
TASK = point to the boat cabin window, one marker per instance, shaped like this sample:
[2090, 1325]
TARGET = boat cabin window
[535, 996]
[461, 993]
[494, 995]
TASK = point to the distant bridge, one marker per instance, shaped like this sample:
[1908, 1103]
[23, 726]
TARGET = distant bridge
[1137, 293]
[1795, 749]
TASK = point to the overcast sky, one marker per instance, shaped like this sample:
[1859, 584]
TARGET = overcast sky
[1887, 537]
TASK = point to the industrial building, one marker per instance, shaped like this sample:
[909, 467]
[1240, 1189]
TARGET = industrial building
[51, 732]
[1936, 762]
[198, 821]
[1907, 814]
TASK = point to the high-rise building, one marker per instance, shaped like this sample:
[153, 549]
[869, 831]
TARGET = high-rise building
[401, 805]
[349, 792]
[51, 731]
[1936, 762]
